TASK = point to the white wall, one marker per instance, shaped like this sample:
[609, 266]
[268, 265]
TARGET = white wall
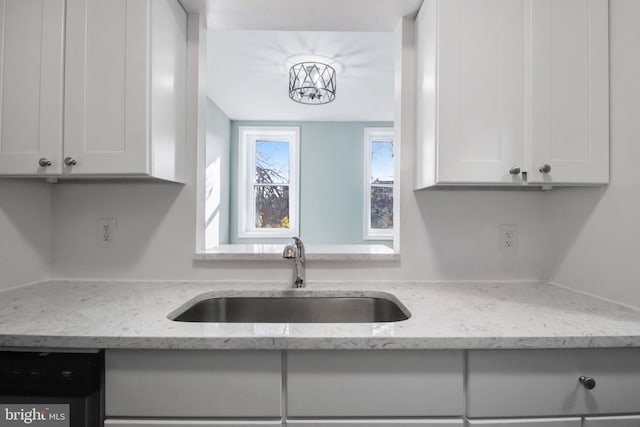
[25, 232]
[445, 235]
[595, 233]
[218, 145]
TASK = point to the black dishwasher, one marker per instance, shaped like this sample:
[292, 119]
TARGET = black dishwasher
[51, 389]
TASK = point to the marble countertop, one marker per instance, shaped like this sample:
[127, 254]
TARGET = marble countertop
[75, 314]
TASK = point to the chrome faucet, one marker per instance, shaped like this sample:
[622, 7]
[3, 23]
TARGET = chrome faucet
[296, 251]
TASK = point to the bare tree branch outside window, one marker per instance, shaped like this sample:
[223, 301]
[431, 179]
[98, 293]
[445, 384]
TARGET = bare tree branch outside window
[382, 180]
[271, 193]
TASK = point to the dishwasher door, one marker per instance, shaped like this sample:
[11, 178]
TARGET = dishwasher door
[50, 389]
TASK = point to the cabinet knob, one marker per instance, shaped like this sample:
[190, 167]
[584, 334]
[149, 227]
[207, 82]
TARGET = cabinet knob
[43, 162]
[546, 168]
[514, 170]
[70, 161]
[588, 382]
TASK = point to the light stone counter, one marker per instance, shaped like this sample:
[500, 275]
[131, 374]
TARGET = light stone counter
[66, 314]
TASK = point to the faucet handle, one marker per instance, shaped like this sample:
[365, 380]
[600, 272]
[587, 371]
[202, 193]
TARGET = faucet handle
[289, 251]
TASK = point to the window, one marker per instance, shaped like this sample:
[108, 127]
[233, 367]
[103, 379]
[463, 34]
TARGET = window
[379, 181]
[268, 190]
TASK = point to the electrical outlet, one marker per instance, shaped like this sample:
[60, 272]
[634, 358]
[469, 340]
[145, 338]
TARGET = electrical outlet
[107, 232]
[508, 235]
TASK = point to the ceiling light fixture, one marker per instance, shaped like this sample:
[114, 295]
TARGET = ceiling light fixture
[312, 83]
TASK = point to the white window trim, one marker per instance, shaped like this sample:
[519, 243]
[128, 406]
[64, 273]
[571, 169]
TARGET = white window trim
[372, 134]
[247, 137]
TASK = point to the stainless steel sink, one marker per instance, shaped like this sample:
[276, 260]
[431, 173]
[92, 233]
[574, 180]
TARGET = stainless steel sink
[293, 309]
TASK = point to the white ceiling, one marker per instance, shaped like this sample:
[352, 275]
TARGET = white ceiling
[246, 73]
[303, 15]
[248, 78]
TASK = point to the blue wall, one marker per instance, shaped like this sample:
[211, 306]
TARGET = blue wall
[331, 181]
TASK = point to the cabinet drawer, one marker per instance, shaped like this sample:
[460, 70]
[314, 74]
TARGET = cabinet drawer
[515, 383]
[538, 422]
[188, 423]
[376, 423]
[173, 383]
[629, 421]
[374, 383]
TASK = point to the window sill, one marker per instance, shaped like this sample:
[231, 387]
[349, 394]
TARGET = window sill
[273, 252]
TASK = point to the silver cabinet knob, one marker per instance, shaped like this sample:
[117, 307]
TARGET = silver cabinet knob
[43, 162]
[514, 170]
[588, 382]
[70, 161]
[546, 168]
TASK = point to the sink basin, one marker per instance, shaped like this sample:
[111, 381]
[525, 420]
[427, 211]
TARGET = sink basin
[293, 309]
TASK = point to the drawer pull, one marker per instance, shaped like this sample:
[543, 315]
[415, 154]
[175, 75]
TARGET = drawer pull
[588, 382]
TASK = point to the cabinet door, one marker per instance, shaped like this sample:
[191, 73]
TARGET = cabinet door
[107, 87]
[481, 91]
[541, 383]
[376, 423]
[570, 91]
[524, 422]
[626, 421]
[31, 67]
[167, 422]
[370, 383]
[187, 384]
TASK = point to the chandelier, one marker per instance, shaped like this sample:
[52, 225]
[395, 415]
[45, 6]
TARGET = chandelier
[312, 83]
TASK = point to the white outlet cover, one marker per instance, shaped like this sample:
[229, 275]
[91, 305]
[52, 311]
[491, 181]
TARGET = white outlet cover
[107, 232]
[508, 238]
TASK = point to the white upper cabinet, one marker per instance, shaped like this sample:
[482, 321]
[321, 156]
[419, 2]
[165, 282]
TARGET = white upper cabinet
[508, 86]
[125, 87]
[124, 91]
[570, 91]
[31, 86]
[472, 89]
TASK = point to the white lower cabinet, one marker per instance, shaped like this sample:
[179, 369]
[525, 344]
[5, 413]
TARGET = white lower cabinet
[183, 384]
[295, 423]
[370, 383]
[622, 421]
[188, 423]
[378, 388]
[547, 383]
[625, 421]
[538, 422]
[376, 423]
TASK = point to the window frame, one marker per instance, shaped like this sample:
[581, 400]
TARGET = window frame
[247, 137]
[377, 134]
